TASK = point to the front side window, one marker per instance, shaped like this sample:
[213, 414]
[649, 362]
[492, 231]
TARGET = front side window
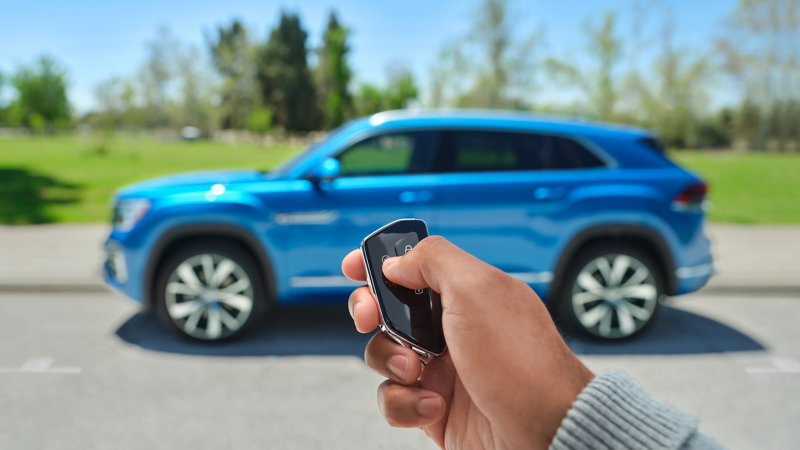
[387, 154]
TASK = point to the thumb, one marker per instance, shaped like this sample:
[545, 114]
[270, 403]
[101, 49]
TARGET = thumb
[434, 263]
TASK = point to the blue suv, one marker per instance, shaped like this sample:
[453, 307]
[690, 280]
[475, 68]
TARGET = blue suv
[593, 217]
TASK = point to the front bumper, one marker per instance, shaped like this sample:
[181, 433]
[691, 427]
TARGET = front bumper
[115, 267]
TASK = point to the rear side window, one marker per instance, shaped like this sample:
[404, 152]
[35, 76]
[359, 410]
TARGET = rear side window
[491, 151]
[388, 154]
[653, 144]
[568, 154]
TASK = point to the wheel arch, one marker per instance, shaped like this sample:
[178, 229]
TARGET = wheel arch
[647, 238]
[180, 236]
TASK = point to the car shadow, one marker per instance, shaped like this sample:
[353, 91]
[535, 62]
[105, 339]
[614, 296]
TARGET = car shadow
[286, 331]
[675, 332]
[329, 330]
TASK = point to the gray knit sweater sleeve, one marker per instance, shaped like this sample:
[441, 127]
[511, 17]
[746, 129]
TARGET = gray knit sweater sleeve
[613, 412]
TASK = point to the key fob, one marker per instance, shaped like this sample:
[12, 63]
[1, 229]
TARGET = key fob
[412, 317]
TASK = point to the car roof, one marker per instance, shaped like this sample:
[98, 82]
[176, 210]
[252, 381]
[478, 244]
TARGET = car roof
[501, 119]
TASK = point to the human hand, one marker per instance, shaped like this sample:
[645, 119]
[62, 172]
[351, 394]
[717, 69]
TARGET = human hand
[507, 378]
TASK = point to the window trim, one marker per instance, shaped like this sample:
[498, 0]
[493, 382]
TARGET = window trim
[589, 145]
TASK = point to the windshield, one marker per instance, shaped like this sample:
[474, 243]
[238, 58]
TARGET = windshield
[292, 162]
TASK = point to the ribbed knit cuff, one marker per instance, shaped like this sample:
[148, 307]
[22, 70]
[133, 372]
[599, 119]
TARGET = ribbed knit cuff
[613, 412]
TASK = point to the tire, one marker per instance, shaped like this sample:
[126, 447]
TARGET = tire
[611, 291]
[210, 290]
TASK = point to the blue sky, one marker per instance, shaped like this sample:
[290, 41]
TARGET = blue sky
[97, 39]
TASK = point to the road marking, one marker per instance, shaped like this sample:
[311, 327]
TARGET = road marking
[41, 365]
[779, 365]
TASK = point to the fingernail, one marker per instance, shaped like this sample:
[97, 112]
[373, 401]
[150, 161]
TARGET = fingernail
[353, 312]
[398, 364]
[429, 407]
[390, 261]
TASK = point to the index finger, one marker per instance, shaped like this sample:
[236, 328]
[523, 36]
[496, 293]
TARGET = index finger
[353, 266]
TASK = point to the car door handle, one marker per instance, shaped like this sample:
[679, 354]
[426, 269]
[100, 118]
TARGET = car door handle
[549, 194]
[416, 196]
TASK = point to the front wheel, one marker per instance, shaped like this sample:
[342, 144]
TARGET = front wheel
[210, 290]
[611, 291]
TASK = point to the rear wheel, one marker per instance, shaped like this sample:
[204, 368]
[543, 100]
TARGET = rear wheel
[611, 291]
[210, 290]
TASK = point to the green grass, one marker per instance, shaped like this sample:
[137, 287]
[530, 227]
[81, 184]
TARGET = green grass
[748, 187]
[71, 179]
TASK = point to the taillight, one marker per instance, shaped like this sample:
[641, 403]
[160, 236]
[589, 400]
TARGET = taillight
[692, 199]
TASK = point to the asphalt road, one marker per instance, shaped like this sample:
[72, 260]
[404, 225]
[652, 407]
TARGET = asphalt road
[86, 371]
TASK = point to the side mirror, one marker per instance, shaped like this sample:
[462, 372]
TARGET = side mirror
[329, 169]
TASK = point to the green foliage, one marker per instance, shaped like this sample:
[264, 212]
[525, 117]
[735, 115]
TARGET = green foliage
[748, 187]
[492, 66]
[599, 85]
[401, 89]
[170, 89]
[232, 56]
[71, 179]
[760, 53]
[369, 100]
[155, 74]
[287, 87]
[260, 120]
[36, 122]
[334, 74]
[41, 95]
[716, 131]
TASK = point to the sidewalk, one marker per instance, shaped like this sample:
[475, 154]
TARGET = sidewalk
[755, 258]
[749, 259]
[52, 257]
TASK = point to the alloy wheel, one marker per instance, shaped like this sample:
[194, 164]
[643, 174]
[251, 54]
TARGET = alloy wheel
[614, 296]
[209, 296]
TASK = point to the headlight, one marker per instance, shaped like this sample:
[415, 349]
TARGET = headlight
[128, 212]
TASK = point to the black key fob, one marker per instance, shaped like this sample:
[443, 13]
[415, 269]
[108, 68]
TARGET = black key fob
[412, 317]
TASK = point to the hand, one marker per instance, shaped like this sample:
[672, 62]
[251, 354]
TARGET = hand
[507, 378]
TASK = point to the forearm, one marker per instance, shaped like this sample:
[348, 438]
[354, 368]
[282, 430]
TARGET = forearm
[614, 412]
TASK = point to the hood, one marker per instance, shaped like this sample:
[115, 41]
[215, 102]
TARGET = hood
[193, 179]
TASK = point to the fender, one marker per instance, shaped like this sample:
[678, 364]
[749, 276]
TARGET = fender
[217, 230]
[638, 232]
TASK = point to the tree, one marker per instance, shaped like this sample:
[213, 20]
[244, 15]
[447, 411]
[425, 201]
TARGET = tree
[761, 52]
[41, 95]
[116, 103]
[599, 86]
[156, 74]
[334, 74]
[369, 100]
[490, 67]
[232, 54]
[285, 80]
[672, 97]
[401, 86]
[260, 120]
[194, 105]
[400, 90]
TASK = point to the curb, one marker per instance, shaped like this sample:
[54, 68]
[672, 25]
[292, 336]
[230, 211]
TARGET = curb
[710, 290]
[54, 288]
[751, 289]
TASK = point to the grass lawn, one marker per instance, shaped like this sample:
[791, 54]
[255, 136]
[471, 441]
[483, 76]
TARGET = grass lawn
[748, 187]
[71, 179]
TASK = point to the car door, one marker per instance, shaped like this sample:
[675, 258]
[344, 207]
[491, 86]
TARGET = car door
[383, 178]
[505, 197]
